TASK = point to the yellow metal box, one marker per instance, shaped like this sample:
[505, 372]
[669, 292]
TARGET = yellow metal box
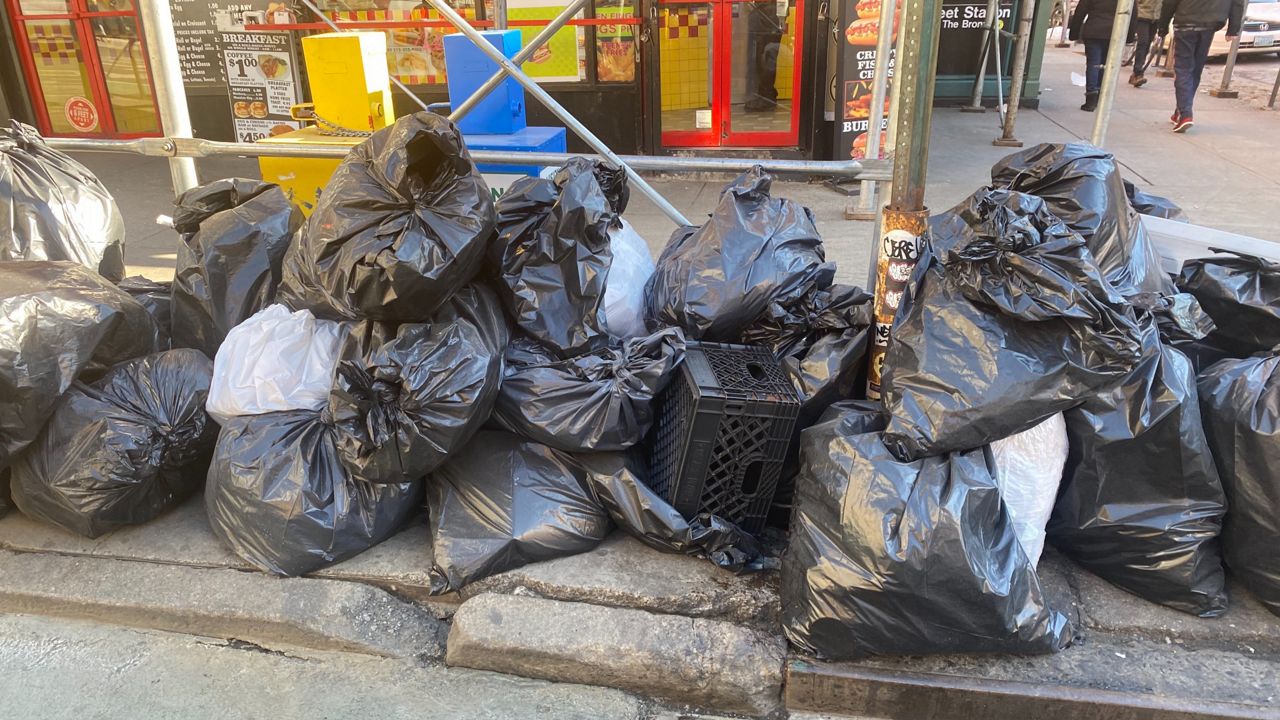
[303, 178]
[347, 73]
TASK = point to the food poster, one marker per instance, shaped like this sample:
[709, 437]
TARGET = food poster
[561, 59]
[857, 68]
[615, 45]
[262, 80]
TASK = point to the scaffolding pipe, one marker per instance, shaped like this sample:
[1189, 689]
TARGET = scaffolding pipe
[989, 36]
[867, 206]
[171, 95]
[499, 15]
[325, 19]
[1111, 72]
[1275, 89]
[197, 147]
[1224, 90]
[558, 110]
[1026, 16]
[525, 53]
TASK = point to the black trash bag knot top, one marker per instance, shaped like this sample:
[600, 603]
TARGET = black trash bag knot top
[234, 235]
[54, 208]
[600, 401]
[122, 450]
[553, 253]
[1242, 294]
[1081, 184]
[755, 251]
[400, 405]
[403, 224]
[1006, 321]
[906, 558]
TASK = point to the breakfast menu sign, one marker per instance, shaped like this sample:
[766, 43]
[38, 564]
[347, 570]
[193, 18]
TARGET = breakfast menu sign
[858, 60]
[262, 80]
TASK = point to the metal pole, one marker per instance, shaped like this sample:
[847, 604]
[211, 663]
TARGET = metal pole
[1111, 72]
[171, 95]
[557, 109]
[1274, 90]
[499, 15]
[1224, 90]
[196, 147]
[999, 76]
[1026, 16]
[867, 209]
[905, 220]
[395, 80]
[1063, 42]
[525, 53]
[989, 36]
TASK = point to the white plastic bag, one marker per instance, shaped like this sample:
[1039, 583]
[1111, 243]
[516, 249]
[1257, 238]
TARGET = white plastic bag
[275, 360]
[624, 288]
[1028, 469]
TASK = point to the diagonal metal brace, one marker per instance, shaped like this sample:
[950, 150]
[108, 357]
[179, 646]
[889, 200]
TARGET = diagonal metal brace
[557, 109]
[525, 53]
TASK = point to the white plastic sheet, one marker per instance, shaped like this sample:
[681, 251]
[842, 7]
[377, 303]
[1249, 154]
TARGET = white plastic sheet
[1028, 469]
[624, 288]
[276, 360]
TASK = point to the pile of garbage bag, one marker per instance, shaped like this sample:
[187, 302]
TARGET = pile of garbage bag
[554, 253]
[233, 237]
[157, 299]
[63, 322]
[401, 226]
[1242, 295]
[54, 208]
[122, 450]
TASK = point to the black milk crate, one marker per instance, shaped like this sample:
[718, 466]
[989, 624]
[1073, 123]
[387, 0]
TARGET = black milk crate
[721, 434]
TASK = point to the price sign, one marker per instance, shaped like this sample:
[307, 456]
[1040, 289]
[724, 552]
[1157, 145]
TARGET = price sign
[262, 82]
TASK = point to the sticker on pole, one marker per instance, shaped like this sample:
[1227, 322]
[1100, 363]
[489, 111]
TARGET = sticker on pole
[81, 113]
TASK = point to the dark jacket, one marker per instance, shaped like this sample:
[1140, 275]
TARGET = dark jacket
[1202, 15]
[1092, 20]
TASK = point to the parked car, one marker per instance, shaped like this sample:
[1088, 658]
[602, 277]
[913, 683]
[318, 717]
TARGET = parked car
[1260, 32]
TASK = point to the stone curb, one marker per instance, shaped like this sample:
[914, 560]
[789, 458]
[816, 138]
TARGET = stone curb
[248, 606]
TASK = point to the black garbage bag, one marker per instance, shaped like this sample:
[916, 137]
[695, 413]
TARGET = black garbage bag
[234, 234]
[1240, 401]
[822, 341]
[1144, 203]
[279, 497]
[1082, 186]
[122, 450]
[156, 298]
[503, 502]
[401, 226]
[54, 208]
[1242, 295]
[1005, 322]
[61, 322]
[616, 481]
[894, 558]
[400, 406]
[553, 253]
[1140, 503]
[595, 402]
[754, 253]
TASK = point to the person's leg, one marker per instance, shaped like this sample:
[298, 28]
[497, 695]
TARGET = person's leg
[1145, 31]
[1204, 39]
[1184, 54]
[1095, 56]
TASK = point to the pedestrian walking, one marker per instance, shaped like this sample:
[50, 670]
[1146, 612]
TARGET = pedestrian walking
[1091, 24]
[1145, 21]
[1194, 23]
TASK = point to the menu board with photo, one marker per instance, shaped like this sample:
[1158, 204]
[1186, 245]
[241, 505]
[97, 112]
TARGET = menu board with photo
[262, 81]
[615, 44]
[560, 59]
[857, 56]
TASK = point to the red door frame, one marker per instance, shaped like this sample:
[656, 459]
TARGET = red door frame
[79, 16]
[721, 132]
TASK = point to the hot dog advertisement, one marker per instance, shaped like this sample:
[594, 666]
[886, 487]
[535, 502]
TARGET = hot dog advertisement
[857, 56]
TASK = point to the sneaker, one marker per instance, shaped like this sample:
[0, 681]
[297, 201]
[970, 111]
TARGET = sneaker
[1184, 123]
[1176, 117]
[1138, 80]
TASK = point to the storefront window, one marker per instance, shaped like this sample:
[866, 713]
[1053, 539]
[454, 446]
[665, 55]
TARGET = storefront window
[415, 55]
[615, 44]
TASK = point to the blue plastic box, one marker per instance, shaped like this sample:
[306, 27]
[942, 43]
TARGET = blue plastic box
[467, 67]
[530, 139]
